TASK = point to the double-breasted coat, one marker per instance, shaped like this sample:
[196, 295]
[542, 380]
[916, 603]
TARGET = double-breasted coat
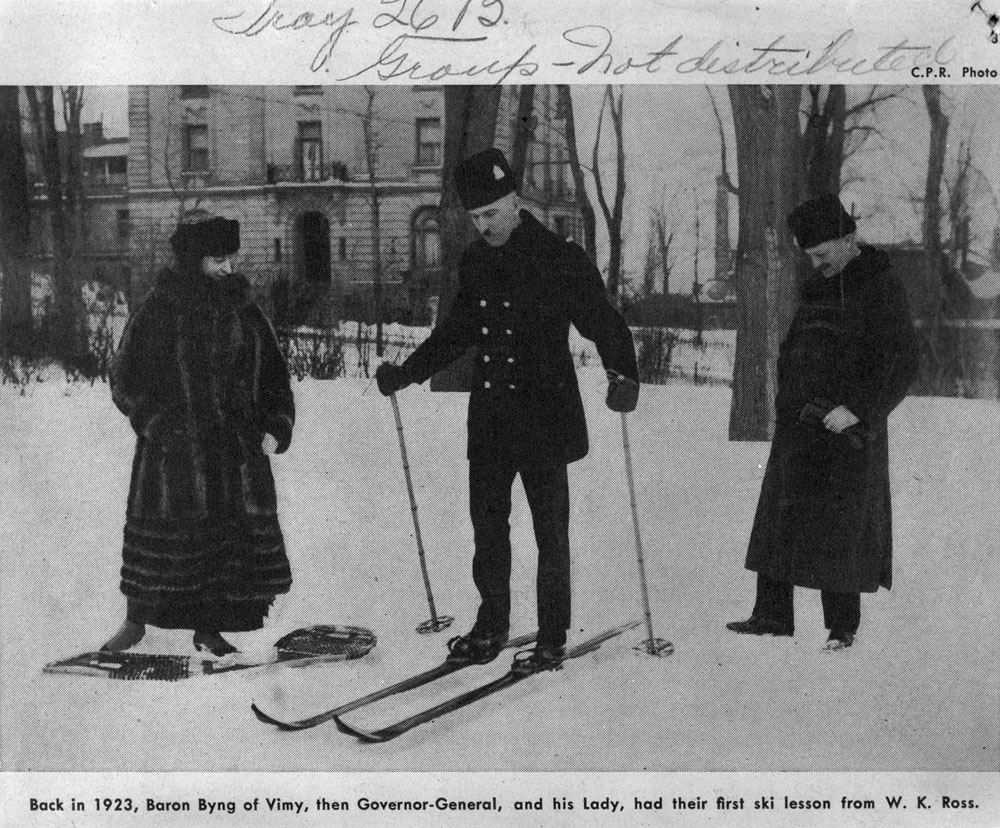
[824, 518]
[515, 303]
[201, 378]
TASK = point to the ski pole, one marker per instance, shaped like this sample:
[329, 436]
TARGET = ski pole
[435, 623]
[653, 646]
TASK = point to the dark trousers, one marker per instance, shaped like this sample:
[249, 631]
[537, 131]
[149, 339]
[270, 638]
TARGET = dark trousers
[841, 610]
[547, 490]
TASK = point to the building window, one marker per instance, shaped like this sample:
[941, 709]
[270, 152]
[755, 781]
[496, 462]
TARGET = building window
[124, 225]
[428, 142]
[560, 163]
[311, 150]
[531, 179]
[564, 227]
[308, 90]
[189, 92]
[426, 240]
[342, 248]
[277, 251]
[196, 148]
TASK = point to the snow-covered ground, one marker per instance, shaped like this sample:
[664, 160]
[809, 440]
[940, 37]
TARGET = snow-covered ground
[919, 691]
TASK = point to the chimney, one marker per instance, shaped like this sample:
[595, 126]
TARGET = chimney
[93, 134]
[723, 249]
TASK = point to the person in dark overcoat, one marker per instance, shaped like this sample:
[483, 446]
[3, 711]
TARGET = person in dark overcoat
[520, 288]
[205, 386]
[824, 517]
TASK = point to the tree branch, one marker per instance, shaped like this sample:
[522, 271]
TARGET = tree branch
[722, 144]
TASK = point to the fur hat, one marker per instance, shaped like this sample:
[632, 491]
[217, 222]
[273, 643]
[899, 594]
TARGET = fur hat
[820, 220]
[483, 178]
[200, 234]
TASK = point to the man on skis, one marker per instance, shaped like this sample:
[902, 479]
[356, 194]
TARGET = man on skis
[520, 288]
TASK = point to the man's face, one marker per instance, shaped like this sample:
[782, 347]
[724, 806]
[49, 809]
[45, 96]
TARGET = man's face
[831, 257]
[495, 222]
[215, 267]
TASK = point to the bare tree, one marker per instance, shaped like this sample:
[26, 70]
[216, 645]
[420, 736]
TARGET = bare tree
[62, 202]
[696, 284]
[523, 131]
[931, 226]
[15, 228]
[470, 127]
[771, 184]
[612, 215]
[372, 146]
[837, 124]
[565, 110]
[658, 256]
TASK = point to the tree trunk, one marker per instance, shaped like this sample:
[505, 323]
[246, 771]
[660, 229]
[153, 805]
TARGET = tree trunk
[15, 229]
[769, 164]
[470, 114]
[579, 184]
[65, 341]
[72, 105]
[524, 126]
[936, 366]
[371, 160]
[824, 140]
[612, 215]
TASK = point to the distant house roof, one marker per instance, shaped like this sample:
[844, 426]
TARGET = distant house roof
[970, 291]
[982, 278]
[115, 150]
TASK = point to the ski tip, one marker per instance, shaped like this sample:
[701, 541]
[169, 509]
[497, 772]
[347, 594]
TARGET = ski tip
[262, 716]
[356, 732]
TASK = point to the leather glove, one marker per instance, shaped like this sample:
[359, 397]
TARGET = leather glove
[391, 378]
[623, 392]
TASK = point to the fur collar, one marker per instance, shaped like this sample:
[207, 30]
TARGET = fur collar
[187, 289]
[852, 279]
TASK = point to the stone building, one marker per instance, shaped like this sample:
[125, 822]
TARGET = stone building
[292, 164]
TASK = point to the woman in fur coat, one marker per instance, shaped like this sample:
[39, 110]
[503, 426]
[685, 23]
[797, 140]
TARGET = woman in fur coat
[205, 386]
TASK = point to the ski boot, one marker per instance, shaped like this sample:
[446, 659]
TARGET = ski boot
[756, 625]
[474, 648]
[543, 657]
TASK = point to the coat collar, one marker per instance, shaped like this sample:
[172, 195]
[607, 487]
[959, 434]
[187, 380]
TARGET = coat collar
[186, 288]
[852, 279]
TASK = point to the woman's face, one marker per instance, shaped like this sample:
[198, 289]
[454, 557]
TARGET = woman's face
[216, 267]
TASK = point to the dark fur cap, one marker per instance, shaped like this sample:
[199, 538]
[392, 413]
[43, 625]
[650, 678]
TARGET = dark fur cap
[201, 234]
[820, 220]
[483, 178]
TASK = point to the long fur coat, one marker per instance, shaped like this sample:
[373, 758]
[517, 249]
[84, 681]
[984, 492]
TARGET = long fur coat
[201, 378]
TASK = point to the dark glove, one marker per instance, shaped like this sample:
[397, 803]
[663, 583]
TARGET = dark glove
[391, 378]
[623, 392]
